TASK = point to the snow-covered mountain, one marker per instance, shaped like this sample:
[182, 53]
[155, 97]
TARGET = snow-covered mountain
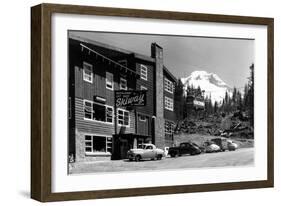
[210, 82]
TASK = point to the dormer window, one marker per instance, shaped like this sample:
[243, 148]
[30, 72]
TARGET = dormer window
[109, 81]
[123, 84]
[87, 72]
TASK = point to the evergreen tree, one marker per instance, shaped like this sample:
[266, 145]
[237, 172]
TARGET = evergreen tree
[250, 105]
[216, 107]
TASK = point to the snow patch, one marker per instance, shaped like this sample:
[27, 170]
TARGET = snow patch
[213, 85]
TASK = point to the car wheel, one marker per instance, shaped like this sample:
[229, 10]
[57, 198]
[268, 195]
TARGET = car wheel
[173, 154]
[137, 158]
[159, 157]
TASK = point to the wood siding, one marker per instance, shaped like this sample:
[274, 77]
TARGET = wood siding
[144, 127]
[95, 127]
[149, 84]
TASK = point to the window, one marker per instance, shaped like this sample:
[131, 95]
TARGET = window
[87, 72]
[88, 143]
[109, 144]
[169, 86]
[98, 112]
[123, 84]
[143, 88]
[169, 130]
[109, 81]
[123, 117]
[98, 144]
[109, 114]
[88, 110]
[143, 72]
[169, 127]
[169, 104]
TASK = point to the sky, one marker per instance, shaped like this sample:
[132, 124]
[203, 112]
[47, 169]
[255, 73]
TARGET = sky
[228, 58]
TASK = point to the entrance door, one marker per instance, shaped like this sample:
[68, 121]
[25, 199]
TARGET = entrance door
[124, 147]
[143, 125]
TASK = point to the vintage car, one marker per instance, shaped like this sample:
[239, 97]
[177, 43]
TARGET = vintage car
[184, 148]
[225, 144]
[221, 142]
[211, 147]
[231, 145]
[145, 151]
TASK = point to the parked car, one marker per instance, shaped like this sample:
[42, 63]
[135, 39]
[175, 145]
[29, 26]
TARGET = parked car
[184, 148]
[225, 144]
[231, 145]
[145, 151]
[221, 142]
[211, 147]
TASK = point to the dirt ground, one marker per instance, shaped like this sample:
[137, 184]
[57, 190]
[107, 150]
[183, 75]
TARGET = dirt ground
[240, 157]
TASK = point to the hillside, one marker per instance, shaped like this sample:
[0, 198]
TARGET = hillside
[234, 126]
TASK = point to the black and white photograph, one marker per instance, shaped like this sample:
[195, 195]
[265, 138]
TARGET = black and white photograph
[143, 102]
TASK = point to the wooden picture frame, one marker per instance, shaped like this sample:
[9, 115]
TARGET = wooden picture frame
[41, 98]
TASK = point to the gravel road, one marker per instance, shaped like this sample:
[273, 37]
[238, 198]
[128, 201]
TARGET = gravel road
[240, 157]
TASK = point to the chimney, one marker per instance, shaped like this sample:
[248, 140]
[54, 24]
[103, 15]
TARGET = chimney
[159, 129]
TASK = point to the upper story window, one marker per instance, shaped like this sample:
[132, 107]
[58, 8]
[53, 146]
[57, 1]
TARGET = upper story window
[123, 117]
[88, 111]
[109, 81]
[98, 112]
[87, 72]
[143, 72]
[123, 84]
[143, 88]
[169, 104]
[169, 86]
[169, 127]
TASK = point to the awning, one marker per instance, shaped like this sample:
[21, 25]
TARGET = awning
[131, 135]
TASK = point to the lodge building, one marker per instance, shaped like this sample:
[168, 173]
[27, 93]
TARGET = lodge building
[96, 70]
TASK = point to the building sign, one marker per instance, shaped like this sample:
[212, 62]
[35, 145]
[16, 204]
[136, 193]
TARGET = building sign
[199, 104]
[130, 98]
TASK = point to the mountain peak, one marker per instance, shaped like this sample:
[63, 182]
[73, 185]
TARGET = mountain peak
[213, 85]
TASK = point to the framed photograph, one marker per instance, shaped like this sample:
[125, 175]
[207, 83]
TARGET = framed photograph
[130, 102]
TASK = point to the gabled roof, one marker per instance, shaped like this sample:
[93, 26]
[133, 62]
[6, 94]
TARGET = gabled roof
[110, 47]
[120, 50]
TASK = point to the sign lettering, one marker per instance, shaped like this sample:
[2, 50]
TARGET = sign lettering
[130, 98]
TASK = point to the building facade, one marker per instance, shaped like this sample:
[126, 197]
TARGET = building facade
[97, 129]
